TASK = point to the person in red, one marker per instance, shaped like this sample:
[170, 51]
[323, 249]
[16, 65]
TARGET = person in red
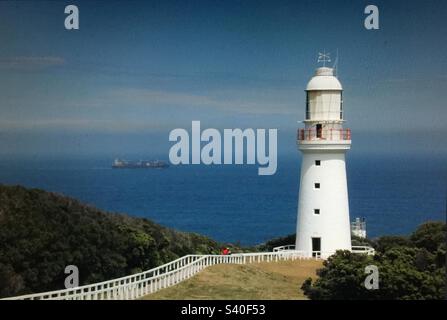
[226, 251]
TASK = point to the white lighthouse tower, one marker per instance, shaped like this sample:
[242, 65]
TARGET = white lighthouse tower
[323, 224]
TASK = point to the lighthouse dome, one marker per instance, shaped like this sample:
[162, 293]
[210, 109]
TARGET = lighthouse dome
[324, 79]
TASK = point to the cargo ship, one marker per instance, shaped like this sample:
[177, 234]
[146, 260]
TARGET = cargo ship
[142, 164]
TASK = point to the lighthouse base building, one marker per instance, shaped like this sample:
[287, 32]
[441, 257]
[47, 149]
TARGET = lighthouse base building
[323, 224]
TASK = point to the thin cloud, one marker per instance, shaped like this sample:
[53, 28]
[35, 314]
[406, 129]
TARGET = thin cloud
[30, 63]
[76, 125]
[232, 101]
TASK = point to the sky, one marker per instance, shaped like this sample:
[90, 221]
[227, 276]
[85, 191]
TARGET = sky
[135, 70]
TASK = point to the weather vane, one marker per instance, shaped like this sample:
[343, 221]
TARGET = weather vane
[324, 57]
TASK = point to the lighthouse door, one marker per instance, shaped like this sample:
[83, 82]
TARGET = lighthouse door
[316, 247]
[319, 130]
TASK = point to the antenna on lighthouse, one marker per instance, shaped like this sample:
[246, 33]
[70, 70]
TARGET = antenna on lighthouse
[324, 57]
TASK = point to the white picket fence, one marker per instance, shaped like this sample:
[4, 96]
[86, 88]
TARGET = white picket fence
[138, 285]
[354, 249]
[150, 281]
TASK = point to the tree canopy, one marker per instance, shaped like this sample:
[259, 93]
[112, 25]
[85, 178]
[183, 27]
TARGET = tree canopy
[411, 267]
[42, 232]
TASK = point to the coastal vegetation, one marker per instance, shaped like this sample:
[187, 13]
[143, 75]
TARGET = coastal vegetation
[410, 268]
[41, 233]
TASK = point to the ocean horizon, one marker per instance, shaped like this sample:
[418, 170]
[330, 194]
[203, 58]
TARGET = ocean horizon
[232, 203]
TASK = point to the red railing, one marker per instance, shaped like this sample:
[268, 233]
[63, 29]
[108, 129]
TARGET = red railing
[324, 134]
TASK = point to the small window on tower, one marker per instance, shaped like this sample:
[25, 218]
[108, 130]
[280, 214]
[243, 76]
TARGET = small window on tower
[316, 211]
[307, 107]
[317, 185]
[318, 162]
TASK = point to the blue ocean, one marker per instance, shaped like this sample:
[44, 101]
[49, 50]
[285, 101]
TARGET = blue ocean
[232, 203]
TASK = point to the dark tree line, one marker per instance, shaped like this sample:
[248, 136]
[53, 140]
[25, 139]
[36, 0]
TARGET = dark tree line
[41, 233]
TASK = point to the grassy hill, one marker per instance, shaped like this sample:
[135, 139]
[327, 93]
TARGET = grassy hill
[42, 232]
[267, 280]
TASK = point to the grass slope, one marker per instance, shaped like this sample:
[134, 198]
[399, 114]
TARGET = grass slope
[257, 281]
